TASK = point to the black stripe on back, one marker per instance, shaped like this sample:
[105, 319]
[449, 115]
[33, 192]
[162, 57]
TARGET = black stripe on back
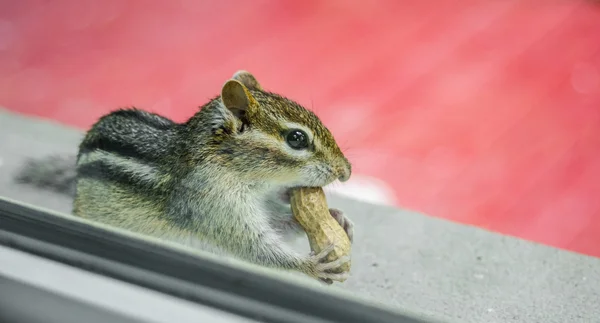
[131, 133]
[151, 119]
[104, 171]
[116, 147]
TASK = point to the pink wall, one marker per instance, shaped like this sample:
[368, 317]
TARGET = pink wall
[482, 112]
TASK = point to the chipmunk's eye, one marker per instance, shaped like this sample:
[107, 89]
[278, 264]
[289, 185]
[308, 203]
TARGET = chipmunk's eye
[297, 139]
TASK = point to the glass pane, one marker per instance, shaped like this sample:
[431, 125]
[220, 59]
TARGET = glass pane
[457, 138]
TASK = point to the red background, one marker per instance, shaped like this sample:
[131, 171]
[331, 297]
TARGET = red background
[482, 112]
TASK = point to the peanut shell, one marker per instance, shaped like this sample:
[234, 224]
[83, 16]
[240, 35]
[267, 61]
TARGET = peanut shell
[309, 206]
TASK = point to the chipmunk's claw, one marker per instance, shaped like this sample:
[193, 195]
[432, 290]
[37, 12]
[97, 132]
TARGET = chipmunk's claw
[327, 271]
[344, 221]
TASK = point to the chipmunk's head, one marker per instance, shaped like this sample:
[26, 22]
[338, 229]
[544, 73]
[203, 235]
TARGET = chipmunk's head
[265, 137]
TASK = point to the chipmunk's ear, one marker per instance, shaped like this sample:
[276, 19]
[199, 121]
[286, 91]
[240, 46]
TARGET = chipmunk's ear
[247, 79]
[237, 99]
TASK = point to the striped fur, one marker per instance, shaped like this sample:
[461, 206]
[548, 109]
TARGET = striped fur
[212, 182]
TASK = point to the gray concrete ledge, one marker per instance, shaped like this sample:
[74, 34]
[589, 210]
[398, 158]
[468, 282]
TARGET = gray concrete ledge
[420, 264]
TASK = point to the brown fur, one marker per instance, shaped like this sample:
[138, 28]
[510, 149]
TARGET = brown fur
[213, 178]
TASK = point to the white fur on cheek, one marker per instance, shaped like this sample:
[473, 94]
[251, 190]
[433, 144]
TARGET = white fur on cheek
[314, 175]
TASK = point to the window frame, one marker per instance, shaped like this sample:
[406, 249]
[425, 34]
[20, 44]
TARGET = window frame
[166, 270]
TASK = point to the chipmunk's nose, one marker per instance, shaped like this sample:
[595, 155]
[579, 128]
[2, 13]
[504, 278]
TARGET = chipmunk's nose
[345, 170]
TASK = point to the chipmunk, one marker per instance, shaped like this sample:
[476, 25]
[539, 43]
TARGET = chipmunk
[219, 181]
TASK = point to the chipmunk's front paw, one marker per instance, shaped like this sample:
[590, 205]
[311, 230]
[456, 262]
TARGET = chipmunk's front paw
[326, 271]
[344, 221]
